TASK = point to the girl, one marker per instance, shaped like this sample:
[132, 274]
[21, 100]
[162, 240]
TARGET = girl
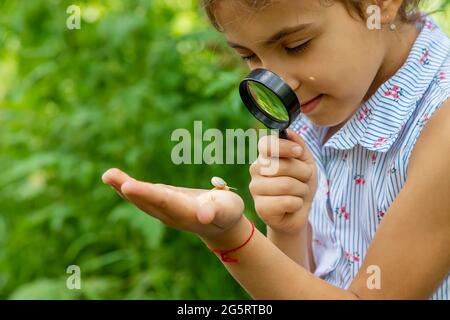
[359, 208]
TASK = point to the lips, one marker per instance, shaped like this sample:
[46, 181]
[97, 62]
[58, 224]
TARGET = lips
[310, 105]
[304, 103]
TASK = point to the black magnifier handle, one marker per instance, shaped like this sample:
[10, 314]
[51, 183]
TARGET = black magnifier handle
[283, 134]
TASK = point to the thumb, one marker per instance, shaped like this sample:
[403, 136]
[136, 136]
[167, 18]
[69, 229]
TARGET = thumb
[221, 208]
[206, 213]
[307, 155]
[308, 158]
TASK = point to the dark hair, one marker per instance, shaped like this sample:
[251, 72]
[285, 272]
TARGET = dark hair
[409, 10]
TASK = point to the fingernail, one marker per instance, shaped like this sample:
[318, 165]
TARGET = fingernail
[297, 150]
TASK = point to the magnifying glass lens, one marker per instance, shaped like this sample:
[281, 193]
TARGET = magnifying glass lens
[268, 101]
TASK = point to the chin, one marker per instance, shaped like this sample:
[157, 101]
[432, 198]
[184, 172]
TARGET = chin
[324, 118]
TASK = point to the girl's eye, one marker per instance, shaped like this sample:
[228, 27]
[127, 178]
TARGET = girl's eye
[248, 58]
[299, 48]
[296, 49]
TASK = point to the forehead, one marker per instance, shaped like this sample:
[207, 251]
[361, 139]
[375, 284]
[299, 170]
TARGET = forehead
[241, 21]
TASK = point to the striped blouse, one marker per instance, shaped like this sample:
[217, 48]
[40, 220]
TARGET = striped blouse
[363, 166]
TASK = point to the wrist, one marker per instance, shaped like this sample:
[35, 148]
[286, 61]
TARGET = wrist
[232, 237]
[291, 233]
[292, 228]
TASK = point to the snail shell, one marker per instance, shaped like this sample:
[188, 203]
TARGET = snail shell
[218, 183]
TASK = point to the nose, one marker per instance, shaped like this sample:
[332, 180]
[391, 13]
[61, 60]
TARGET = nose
[290, 80]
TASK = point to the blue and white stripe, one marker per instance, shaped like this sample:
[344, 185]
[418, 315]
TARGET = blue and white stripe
[362, 168]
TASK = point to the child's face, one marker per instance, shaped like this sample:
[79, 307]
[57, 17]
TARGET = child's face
[340, 62]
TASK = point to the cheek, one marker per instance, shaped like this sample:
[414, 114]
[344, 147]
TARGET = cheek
[348, 61]
[349, 74]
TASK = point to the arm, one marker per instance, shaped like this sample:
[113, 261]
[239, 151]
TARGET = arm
[265, 272]
[410, 246]
[296, 246]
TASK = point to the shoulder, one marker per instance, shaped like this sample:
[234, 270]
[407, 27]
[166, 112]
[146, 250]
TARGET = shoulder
[428, 175]
[414, 232]
[431, 106]
[442, 77]
[433, 144]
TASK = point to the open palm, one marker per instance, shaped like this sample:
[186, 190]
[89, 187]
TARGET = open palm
[207, 213]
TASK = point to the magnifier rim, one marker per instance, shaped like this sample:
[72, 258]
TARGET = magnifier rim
[277, 86]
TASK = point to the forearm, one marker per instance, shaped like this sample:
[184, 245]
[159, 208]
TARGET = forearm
[295, 246]
[265, 272]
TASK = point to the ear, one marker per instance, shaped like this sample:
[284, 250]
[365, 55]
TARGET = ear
[389, 10]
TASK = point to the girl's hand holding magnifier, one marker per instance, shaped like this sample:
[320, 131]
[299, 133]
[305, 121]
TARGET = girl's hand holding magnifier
[282, 198]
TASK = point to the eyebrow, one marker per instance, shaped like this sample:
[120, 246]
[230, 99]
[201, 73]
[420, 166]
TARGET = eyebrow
[277, 36]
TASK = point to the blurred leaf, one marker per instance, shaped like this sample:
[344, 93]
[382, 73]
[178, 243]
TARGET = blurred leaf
[44, 289]
[151, 229]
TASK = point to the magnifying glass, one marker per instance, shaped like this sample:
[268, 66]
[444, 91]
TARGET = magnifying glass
[270, 99]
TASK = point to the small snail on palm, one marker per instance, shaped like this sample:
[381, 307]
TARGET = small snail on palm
[220, 184]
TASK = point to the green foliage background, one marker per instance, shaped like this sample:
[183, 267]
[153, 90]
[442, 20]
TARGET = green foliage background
[74, 103]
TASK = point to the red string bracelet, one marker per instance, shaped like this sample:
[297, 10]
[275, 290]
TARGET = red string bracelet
[224, 253]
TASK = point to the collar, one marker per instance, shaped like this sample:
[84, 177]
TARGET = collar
[377, 123]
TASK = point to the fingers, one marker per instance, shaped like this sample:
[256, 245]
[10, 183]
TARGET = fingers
[272, 146]
[295, 147]
[115, 177]
[278, 186]
[294, 137]
[139, 194]
[180, 208]
[275, 207]
[286, 167]
[161, 200]
[306, 153]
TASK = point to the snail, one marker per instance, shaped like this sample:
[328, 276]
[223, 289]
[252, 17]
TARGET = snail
[220, 184]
